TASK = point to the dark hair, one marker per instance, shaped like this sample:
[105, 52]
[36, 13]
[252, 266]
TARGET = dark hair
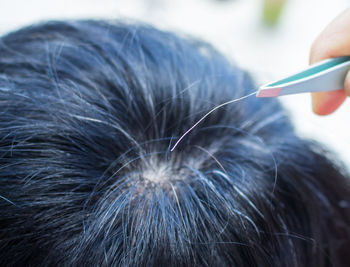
[88, 113]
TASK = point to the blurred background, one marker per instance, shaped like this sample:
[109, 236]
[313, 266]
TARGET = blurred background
[269, 38]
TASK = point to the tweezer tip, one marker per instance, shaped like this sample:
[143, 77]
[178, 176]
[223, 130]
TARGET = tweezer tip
[268, 92]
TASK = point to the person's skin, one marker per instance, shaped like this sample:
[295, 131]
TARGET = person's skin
[334, 41]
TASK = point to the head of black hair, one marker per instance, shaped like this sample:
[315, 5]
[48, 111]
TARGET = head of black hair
[88, 113]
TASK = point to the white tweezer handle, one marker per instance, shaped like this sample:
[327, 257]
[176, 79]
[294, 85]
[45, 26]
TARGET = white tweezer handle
[326, 75]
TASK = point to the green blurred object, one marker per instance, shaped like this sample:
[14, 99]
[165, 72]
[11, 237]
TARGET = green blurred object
[272, 10]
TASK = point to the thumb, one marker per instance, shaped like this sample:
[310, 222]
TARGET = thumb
[334, 41]
[324, 103]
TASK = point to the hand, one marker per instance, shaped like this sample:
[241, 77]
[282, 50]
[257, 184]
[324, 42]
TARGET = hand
[334, 41]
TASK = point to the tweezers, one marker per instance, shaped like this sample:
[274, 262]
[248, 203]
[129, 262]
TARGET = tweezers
[327, 75]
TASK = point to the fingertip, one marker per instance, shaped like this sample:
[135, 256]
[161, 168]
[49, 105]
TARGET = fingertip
[316, 51]
[321, 48]
[325, 103]
[333, 40]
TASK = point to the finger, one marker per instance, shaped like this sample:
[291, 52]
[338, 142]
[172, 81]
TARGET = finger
[324, 103]
[334, 41]
[347, 84]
